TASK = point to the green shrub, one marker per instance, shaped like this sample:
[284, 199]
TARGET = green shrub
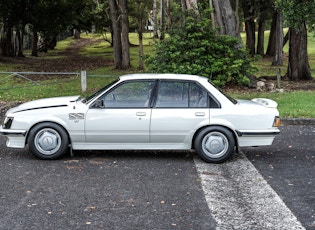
[195, 48]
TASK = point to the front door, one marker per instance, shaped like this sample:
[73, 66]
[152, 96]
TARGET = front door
[124, 116]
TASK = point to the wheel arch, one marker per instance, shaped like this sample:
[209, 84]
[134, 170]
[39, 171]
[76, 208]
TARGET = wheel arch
[216, 125]
[52, 122]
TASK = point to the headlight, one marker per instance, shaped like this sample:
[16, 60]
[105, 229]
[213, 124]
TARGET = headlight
[7, 122]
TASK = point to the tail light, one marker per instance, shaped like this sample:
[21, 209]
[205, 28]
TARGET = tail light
[276, 122]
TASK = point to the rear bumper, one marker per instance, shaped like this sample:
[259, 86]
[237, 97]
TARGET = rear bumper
[253, 133]
[256, 137]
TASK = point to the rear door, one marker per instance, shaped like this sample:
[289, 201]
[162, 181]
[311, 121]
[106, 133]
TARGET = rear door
[180, 108]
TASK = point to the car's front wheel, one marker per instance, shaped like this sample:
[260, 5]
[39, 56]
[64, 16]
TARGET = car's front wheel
[48, 141]
[214, 144]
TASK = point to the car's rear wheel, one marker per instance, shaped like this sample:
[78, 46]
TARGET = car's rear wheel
[48, 141]
[214, 144]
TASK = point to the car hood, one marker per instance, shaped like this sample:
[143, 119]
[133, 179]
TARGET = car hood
[45, 103]
[259, 102]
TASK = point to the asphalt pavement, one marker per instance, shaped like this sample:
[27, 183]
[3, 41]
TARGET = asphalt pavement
[289, 168]
[268, 187]
[102, 190]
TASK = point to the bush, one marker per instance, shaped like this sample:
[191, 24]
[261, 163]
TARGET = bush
[195, 48]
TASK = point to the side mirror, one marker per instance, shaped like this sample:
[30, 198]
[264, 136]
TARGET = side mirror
[99, 104]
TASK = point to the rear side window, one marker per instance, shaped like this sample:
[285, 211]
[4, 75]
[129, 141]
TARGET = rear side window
[181, 94]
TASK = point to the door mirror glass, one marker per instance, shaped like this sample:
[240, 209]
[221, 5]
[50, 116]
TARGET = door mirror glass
[99, 104]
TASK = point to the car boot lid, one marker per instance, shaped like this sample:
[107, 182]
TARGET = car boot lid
[259, 102]
[266, 102]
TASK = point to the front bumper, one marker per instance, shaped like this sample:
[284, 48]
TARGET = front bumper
[12, 133]
[15, 138]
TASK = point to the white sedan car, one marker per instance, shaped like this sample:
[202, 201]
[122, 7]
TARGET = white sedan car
[144, 111]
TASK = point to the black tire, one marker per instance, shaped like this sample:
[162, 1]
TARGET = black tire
[214, 144]
[48, 141]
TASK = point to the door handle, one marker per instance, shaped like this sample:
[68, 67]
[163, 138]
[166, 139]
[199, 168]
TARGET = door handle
[140, 113]
[199, 114]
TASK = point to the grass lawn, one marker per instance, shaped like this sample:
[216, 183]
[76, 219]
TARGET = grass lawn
[290, 104]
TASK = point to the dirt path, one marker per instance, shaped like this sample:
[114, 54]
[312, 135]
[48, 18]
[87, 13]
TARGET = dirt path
[69, 60]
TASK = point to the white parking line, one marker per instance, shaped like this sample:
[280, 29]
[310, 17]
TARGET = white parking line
[239, 198]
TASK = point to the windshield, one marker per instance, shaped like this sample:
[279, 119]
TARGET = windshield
[226, 95]
[97, 93]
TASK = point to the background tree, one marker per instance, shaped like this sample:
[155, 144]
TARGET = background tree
[264, 11]
[125, 35]
[10, 19]
[155, 19]
[47, 19]
[278, 55]
[297, 14]
[255, 15]
[225, 19]
[44, 16]
[140, 12]
[83, 16]
[116, 31]
[271, 48]
[250, 27]
[101, 20]
[192, 5]
[119, 15]
[194, 47]
[162, 19]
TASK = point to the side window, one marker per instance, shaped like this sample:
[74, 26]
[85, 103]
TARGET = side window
[181, 94]
[198, 96]
[172, 94]
[214, 103]
[133, 94]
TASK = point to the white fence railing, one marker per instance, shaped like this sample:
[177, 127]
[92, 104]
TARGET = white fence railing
[32, 77]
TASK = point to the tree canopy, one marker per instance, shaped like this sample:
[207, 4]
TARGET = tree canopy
[193, 47]
[44, 16]
[227, 18]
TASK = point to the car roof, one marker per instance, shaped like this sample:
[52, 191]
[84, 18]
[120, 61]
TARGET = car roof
[162, 76]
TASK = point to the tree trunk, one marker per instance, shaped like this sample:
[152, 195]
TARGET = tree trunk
[19, 34]
[155, 21]
[34, 44]
[212, 18]
[125, 35]
[162, 23]
[168, 11]
[192, 5]
[218, 17]
[249, 26]
[237, 18]
[6, 42]
[261, 37]
[286, 38]
[140, 26]
[116, 34]
[271, 49]
[250, 36]
[184, 7]
[298, 66]
[279, 42]
[225, 18]
[76, 34]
